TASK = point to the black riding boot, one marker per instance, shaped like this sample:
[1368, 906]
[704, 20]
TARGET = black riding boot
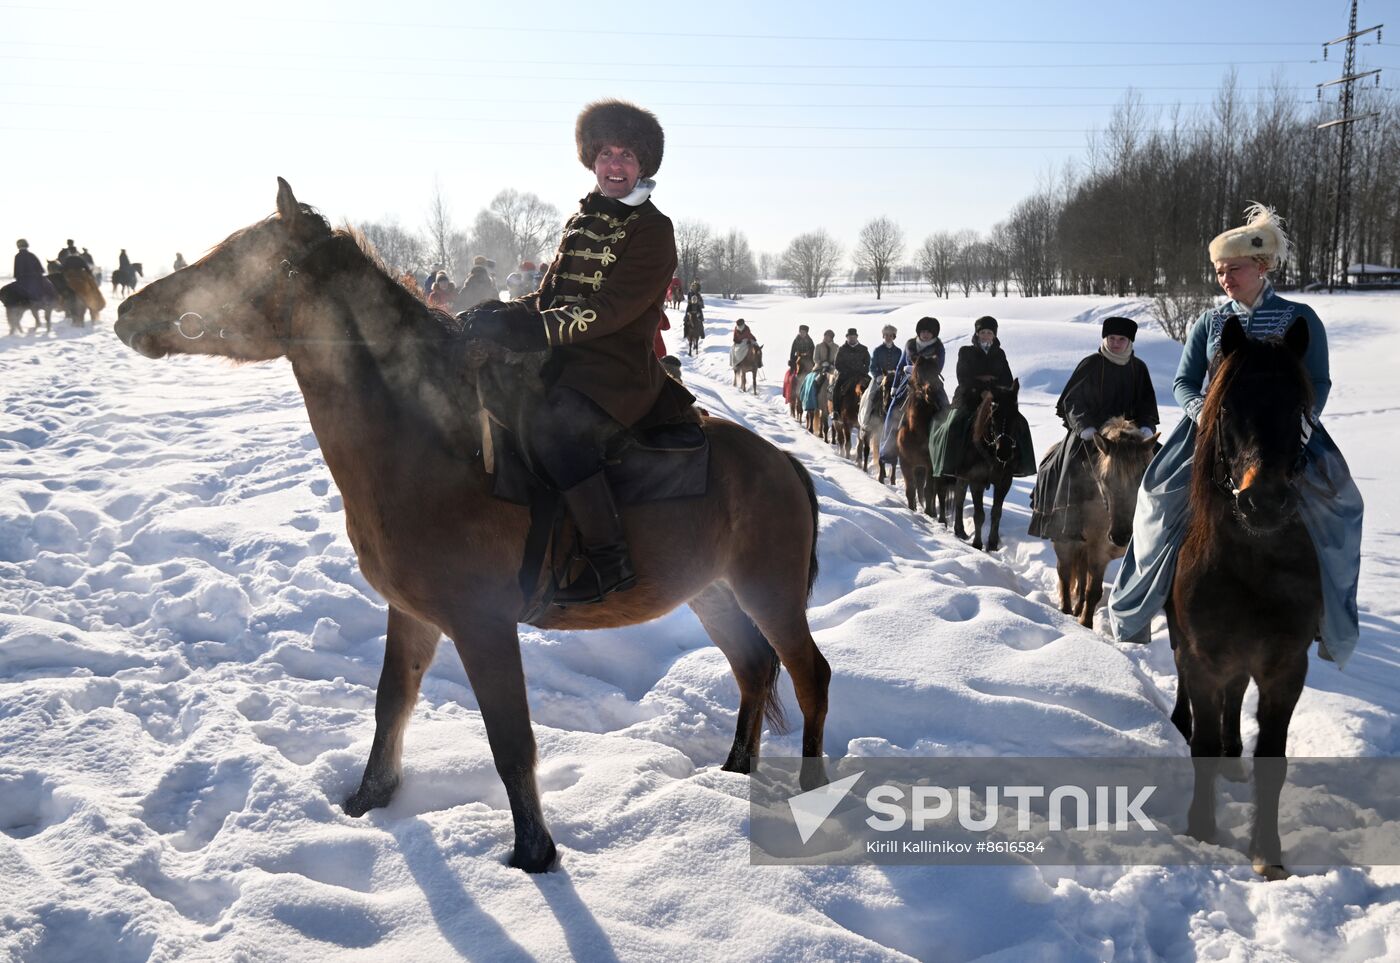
[604, 566]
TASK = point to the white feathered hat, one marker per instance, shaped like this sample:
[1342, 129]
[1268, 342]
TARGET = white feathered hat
[1262, 236]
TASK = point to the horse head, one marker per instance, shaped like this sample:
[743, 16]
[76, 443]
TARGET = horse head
[237, 300]
[924, 379]
[1120, 458]
[1254, 425]
[993, 424]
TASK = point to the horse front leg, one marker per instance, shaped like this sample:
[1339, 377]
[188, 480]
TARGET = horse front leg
[998, 498]
[1064, 567]
[979, 514]
[409, 647]
[491, 656]
[1093, 587]
[959, 497]
[1207, 700]
[1278, 696]
[910, 482]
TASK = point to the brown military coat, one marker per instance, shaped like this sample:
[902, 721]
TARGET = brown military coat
[601, 302]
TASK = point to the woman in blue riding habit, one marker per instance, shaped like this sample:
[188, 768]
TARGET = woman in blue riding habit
[1330, 504]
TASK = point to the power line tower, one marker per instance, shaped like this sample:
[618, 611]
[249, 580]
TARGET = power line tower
[1341, 226]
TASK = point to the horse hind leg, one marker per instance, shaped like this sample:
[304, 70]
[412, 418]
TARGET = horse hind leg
[408, 652]
[780, 612]
[755, 666]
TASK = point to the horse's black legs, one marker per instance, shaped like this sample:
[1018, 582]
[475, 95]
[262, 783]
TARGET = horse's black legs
[408, 652]
[1278, 696]
[1207, 702]
[979, 514]
[753, 661]
[491, 656]
[1232, 744]
[958, 498]
[994, 535]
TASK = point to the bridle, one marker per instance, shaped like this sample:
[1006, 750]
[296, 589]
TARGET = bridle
[994, 437]
[1223, 477]
[286, 274]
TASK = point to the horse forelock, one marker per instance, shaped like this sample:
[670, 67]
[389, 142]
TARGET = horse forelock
[1259, 373]
[1127, 454]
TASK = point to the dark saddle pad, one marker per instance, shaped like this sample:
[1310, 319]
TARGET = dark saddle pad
[642, 465]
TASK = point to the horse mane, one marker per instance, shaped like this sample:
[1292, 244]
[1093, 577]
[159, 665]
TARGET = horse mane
[1127, 452]
[983, 414]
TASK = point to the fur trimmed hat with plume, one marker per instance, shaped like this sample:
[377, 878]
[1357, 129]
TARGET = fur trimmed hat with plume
[617, 122]
[1261, 237]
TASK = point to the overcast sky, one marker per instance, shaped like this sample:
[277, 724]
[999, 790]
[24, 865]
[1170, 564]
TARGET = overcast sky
[161, 126]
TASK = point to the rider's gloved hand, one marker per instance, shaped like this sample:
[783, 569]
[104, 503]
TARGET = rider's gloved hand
[513, 331]
[1088, 434]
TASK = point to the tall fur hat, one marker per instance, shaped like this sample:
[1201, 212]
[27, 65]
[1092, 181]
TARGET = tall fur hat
[605, 122]
[1262, 236]
[985, 323]
[930, 325]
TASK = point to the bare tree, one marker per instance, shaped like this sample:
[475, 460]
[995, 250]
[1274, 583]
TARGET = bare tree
[729, 265]
[440, 230]
[529, 221]
[965, 261]
[400, 250]
[879, 248]
[809, 262]
[693, 241]
[935, 258]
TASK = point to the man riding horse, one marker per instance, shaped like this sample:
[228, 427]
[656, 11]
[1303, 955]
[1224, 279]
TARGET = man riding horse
[1110, 383]
[596, 313]
[852, 368]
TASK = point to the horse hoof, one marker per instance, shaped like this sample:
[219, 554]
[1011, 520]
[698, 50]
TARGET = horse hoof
[813, 774]
[537, 861]
[369, 796]
[1273, 872]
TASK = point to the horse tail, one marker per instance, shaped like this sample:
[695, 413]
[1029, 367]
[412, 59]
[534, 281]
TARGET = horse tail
[806, 479]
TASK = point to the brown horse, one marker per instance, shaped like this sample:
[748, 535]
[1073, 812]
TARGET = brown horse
[396, 411]
[920, 412]
[746, 371]
[988, 461]
[845, 416]
[1107, 485]
[1246, 599]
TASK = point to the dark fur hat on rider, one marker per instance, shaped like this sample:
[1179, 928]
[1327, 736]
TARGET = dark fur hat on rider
[618, 123]
[1126, 327]
[930, 325]
[985, 323]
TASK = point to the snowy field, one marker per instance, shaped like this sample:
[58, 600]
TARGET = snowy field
[188, 654]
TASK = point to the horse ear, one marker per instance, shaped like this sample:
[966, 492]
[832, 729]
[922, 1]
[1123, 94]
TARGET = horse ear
[1297, 337]
[1232, 336]
[1015, 389]
[1100, 443]
[287, 204]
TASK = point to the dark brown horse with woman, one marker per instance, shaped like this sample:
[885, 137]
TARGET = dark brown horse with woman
[391, 389]
[1246, 600]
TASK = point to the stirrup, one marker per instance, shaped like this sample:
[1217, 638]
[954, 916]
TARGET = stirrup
[590, 585]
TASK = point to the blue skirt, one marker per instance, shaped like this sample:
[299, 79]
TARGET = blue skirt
[1329, 505]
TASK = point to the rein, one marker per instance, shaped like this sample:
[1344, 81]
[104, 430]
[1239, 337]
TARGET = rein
[994, 437]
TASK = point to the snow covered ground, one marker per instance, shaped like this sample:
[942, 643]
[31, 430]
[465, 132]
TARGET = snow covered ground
[188, 655]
